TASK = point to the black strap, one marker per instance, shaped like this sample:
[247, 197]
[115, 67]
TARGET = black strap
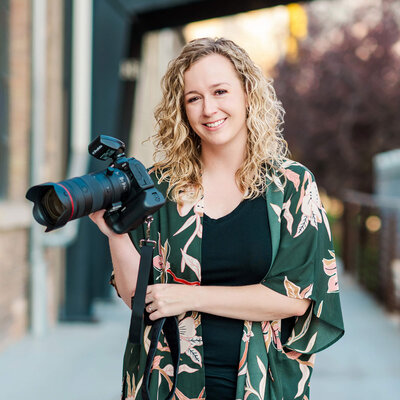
[169, 324]
[170, 327]
[138, 301]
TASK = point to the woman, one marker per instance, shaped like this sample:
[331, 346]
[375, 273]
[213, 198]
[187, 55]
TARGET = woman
[244, 249]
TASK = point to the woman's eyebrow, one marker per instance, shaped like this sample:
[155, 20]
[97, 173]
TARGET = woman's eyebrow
[218, 84]
[211, 87]
[191, 92]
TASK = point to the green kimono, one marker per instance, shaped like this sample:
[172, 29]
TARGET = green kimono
[303, 266]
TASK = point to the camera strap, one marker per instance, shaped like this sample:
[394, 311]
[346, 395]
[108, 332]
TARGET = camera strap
[138, 301]
[169, 325]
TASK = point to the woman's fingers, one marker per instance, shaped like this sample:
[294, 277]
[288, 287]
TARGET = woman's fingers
[164, 300]
[151, 308]
[98, 218]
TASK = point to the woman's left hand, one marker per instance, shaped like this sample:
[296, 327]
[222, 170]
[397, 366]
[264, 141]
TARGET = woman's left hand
[165, 300]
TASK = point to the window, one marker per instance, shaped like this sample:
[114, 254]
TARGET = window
[4, 106]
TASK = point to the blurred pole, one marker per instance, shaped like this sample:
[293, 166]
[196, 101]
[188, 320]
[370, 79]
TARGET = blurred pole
[38, 287]
[81, 108]
[81, 134]
[81, 115]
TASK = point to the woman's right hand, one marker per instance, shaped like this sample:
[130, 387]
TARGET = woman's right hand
[98, 218]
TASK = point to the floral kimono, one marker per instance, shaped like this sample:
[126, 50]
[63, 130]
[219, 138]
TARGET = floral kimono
[303, 266]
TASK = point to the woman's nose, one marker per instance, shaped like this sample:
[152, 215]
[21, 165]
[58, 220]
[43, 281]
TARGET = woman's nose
[209, 106]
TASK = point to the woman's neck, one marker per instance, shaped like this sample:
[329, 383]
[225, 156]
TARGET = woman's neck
[227, 159]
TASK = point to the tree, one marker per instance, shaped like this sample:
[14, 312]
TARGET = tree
[342, 96]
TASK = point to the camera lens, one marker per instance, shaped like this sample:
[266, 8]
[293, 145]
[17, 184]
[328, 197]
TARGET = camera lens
[57, 203]
[52, 206]
[124, 189]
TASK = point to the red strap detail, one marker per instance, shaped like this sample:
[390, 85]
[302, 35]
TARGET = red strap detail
[176, 279]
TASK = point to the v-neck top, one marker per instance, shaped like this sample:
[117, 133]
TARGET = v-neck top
[245, 260]
[236, 251]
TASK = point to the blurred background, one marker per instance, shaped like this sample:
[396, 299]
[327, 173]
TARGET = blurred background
[73, 69]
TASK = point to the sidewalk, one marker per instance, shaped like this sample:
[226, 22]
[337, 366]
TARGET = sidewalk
[83, 361]
[74, 361]
[365, 363]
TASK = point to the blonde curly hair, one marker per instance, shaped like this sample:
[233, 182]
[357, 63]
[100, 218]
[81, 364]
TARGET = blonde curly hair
[177, 146]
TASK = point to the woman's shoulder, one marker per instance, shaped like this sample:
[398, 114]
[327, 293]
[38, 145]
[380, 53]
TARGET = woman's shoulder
[295, 167]
[294, 174]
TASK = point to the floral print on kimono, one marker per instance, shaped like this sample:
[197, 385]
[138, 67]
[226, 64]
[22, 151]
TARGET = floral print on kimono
[303, 266]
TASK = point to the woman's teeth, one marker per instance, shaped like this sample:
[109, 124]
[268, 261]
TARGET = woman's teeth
[215, 124]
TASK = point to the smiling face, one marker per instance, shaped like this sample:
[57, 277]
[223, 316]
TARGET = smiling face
[215, 102]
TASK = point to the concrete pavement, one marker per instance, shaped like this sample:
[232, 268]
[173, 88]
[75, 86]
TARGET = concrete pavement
[78, 361]
[74, 361]
[365, 363]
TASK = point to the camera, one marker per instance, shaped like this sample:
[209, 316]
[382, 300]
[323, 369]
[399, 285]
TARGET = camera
[124, 189]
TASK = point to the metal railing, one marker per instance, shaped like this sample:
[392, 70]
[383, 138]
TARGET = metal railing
[371, 251]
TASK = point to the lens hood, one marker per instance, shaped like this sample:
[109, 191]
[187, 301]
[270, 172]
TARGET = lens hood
[49, 216]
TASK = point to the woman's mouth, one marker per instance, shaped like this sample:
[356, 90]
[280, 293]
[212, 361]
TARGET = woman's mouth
[215, 124]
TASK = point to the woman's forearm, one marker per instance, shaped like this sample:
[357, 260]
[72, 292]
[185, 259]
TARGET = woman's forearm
[252, 302]
[124, 257]
[125, 260]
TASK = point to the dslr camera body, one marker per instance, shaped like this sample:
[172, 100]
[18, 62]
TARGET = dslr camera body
[124, 189]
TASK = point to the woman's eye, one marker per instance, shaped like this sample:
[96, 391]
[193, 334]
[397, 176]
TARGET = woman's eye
[220, 91]
[192, 99]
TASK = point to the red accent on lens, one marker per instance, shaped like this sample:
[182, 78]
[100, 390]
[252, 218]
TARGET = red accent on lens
[70, 198]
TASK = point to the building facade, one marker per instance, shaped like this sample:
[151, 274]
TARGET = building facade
[15, 211]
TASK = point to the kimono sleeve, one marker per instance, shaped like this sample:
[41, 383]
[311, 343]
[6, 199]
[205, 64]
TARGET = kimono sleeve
[305, 266]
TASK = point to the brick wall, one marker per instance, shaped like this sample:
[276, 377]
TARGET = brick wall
[13, 286]
[15, 211]
[20, 96]
[13, 232]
